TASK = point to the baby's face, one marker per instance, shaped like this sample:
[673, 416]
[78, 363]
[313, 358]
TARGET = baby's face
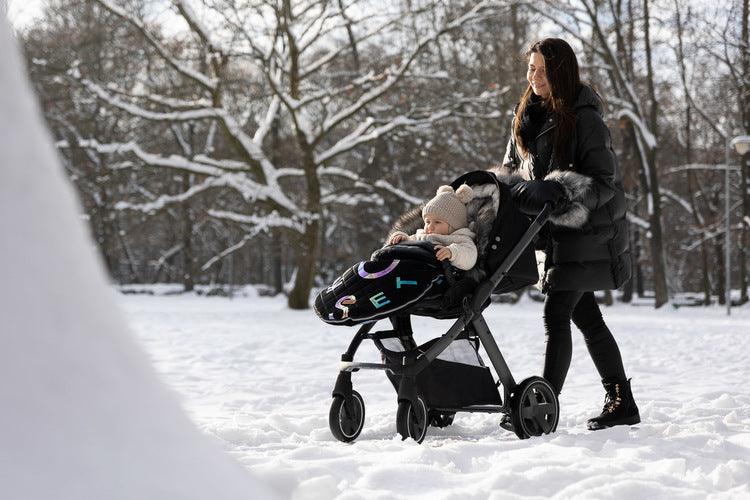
[433, 225]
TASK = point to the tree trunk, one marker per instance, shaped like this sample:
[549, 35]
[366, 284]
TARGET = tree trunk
[705, 281]
[188, 258]
[706, 275]
[637, 267]
[276, 276]
[106, 216]
[306, 260]
[516, 46]
[719, 285]
[743, 238]
[135, 275]
[307, 254]
[306, 257]
[277, 280]
[661, 295]
[745, 161]
[628, 144]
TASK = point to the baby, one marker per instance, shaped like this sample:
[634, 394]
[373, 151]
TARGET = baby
[445, 223]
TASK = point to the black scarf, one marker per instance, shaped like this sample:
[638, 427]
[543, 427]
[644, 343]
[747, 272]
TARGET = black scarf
[532, 121]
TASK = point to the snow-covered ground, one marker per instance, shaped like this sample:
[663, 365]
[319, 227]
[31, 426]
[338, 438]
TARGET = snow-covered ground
[258, 377]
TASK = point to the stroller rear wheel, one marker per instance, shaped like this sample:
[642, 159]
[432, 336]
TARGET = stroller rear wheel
[441, 418]
[535, 409]
[411, 420]
[346, 420]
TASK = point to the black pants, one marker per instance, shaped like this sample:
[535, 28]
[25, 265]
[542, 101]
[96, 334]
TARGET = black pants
[559, 308]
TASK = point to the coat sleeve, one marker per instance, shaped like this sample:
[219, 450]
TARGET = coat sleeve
[591, 183]
[463, 254]
[595, 159]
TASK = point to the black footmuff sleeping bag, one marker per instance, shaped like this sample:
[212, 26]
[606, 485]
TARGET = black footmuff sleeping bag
[396, 277]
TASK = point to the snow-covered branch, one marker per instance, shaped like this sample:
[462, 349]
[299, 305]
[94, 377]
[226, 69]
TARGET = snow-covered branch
[394, 75]
[166, 200]
[205, 81]
[198, 28]
[352, 199]
[636, 120]
[711, 167]
[165, 101]
[252, 148]
[265, 125]
[330, 56]
[638, 221]
[387, 186]
[261, 222]
[379, 184]
[171, 116]
[173, 161]
[668, 193]
[248, 188]
[363, 133]
[224, 164]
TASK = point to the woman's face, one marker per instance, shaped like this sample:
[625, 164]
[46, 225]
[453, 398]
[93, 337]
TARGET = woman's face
[536, 74]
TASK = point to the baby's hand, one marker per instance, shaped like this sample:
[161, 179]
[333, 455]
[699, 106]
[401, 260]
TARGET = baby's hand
[442, 252]
[396, 238]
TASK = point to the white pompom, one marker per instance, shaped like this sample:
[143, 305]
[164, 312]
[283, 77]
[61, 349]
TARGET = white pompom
[465, 193]
[444, 189]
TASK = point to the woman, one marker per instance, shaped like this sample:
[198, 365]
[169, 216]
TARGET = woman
[560, 153]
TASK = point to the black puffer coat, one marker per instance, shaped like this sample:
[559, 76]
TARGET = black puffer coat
[587, 245]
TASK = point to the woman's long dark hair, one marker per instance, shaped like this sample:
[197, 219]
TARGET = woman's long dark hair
[565, 82]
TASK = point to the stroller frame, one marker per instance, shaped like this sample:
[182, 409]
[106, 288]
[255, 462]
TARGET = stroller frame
[532, 405]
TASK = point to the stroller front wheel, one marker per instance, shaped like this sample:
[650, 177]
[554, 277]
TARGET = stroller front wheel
[347, 419]
[411, 420]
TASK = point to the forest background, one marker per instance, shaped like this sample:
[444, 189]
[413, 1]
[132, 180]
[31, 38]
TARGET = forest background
[275, 142]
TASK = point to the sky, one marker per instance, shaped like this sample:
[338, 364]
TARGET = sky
[22, 12]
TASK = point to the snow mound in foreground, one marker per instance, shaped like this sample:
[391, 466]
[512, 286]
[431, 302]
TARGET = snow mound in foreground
[83, 415]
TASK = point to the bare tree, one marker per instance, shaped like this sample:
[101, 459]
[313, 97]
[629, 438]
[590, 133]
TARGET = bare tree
[312, 86]
[744, 107]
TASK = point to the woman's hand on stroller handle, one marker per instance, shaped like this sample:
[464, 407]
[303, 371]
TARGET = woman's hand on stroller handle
[532, 196]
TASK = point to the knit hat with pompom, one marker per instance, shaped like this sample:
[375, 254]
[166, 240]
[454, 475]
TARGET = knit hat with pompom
[450, 205]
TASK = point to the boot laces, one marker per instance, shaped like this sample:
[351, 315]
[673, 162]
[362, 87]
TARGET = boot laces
[612, 400]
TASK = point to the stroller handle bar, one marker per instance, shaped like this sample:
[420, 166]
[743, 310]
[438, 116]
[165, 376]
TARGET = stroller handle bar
[485, 288]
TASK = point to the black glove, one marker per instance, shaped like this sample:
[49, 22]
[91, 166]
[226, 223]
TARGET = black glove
[531, 196]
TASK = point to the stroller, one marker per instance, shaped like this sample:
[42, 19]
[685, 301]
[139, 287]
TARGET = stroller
[445, 375]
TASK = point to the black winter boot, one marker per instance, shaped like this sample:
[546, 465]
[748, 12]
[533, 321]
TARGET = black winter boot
[619, 406]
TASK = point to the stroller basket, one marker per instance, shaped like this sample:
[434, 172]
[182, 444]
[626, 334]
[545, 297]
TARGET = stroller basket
[456, 378]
